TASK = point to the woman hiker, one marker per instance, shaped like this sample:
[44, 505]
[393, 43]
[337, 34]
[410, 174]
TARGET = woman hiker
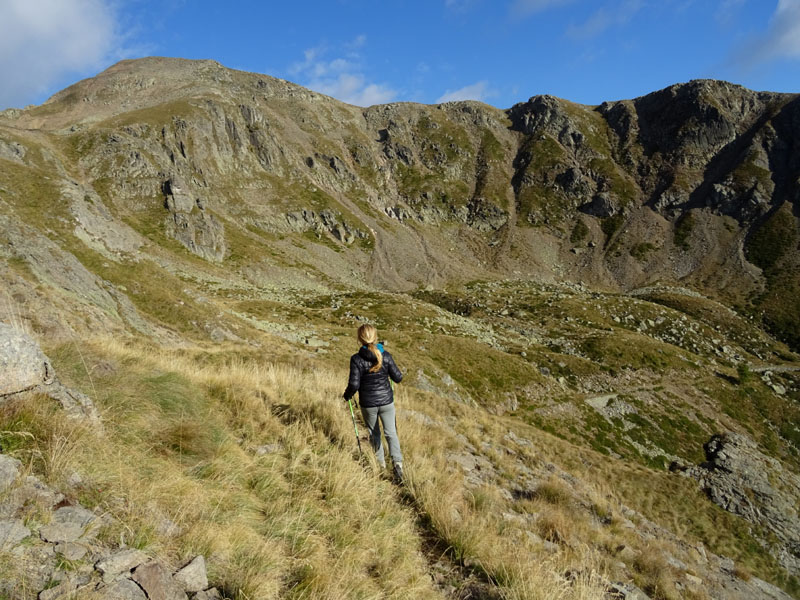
[370, 370]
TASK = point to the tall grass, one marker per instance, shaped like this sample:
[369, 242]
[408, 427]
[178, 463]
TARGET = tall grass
[254, 465]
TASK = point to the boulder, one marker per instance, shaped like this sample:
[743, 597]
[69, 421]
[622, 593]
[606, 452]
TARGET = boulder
[12, 532]
[62, 590]
[120, 563]
[193, 576]
[124, 589]
[71, 551]
[69, 523]
[157, 582]
[22, 364]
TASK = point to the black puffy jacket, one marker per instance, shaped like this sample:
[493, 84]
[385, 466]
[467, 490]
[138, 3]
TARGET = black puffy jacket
[373, 388]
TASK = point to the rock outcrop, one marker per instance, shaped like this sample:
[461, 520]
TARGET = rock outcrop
[25, 368]
[744, 481]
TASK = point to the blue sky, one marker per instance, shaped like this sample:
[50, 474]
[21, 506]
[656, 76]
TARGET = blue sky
[367, 52]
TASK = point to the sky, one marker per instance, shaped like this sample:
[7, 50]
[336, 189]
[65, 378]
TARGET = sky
[369, 52]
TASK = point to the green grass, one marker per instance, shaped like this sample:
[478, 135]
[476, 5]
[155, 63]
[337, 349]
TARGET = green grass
[641, 251]
[579, 233]
[776, 237]
[683, 230]
[610, 226]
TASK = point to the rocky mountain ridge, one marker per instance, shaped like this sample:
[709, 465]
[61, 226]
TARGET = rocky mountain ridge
[697, 183]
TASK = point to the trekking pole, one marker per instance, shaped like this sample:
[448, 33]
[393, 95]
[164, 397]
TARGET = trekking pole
[358, 441]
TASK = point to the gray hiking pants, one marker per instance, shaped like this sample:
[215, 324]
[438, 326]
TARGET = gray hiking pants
[386, 415]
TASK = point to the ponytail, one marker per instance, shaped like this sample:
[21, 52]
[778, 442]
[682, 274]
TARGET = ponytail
[368, 336]
[377, 366]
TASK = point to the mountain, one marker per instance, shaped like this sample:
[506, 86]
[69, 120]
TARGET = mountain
[594, 305]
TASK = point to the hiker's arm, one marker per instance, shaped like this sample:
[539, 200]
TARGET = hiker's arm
[394, 372]
[354, 381]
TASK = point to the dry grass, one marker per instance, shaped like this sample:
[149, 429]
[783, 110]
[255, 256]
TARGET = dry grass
[182, 474]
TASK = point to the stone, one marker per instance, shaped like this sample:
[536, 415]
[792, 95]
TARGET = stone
[193, 576]
[71, 551]
[124, 589]
[693, 580]
[122, 562]
[778, 389]
[626, 591]
[602, 206]
[313, 342]
[9, 471]
[60, 532]
[22, 362]
[73, 514]
[69, 524]
[157, 582]
[62, 589]
[267, 449]
[212, 594]
[12, 532]
[75, 404]
[29, 491]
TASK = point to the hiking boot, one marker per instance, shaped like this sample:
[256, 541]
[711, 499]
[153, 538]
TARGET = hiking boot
[398, 473]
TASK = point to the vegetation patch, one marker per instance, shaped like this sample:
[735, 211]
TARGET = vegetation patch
[683, 230]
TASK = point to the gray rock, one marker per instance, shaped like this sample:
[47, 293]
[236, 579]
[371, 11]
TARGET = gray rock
[69, 524]
[71, 551]
[122, 562]
[12, 532]
[157, 582]
[29, 491]
[602, 206]
[75, 404]
[124, 589]
[212, 594]
[267, 449]
[193, 576]
[9, 471]
[61, 590]
[316, 343]
[73, 514]
[626, 591]
[12, 151]
[22, 363]
[61, 532]
[742, 480]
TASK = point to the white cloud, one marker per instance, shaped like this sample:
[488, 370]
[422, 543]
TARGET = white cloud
[781, 41]
[727, 11]
[358, 42]
[44, 41]
[353, 89]
[476, 91]
[605, 18]
[523, 8]
[342, 78]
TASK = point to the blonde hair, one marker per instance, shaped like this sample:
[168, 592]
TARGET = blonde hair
[368, 336]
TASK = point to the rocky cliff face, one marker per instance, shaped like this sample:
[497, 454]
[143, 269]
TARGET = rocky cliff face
[697, 182]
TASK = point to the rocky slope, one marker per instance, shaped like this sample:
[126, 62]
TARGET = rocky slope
[604, 273]
[696, 183]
